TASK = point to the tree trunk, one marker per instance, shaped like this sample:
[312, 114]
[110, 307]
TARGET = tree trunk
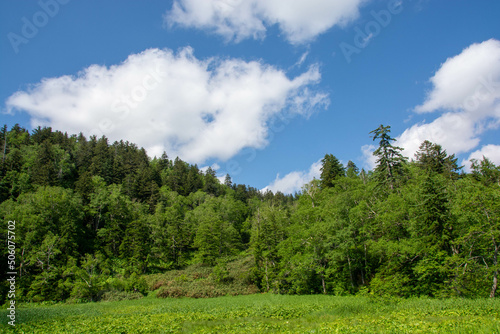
[495, 273]
[267, 279]
[350, 270]
[495, 282]
[322, 274]
[363, 272]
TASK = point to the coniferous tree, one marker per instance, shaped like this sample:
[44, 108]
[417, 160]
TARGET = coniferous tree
[227, 181]
[82, 154]
[39, 135]
[352, 169]
[240, 192]
[390, 161]
[432, 232]
[177, 178]
[331, 169]
[194, 181]
[437, 235]
[102, 160]
[485, 171]
[211, 183]
[432, 158]
[163, 162]
[44, 170]
[3, 145]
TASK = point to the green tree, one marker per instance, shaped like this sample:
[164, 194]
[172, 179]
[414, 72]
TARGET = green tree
[211, 183]
[352, 169]
[102, 160]
[216, 234]
[51, 221]
[194, 181]
[112, 212]
[171, 235]
[390, 161]
[227, 181]
[331, 169]
[477, 208]
[432, 232]
[177, 177]
[269, 225]
[83, 154]
[44, 169]
[485, 171]
[136, 244]
[88, 277]
[432, 158]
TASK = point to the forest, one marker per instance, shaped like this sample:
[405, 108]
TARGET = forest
[93, 217]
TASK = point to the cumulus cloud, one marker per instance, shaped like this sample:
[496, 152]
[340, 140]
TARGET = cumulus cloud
[161, 100]
[467, 81]
[453, 131]
[293, 182]
[299, 20]
[466, 89]
[369, 160]
[492, 152]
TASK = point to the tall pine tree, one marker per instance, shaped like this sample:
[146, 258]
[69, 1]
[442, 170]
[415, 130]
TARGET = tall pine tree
[331, 169]
[390, 161]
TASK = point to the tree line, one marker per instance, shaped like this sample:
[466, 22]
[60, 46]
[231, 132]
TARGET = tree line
[93, 216]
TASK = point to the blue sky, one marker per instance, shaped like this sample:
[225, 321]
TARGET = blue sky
[261, 90]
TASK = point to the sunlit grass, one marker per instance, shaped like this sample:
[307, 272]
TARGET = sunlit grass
[262, 313]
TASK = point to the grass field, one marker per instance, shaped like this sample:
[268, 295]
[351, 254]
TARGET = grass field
[262, 313]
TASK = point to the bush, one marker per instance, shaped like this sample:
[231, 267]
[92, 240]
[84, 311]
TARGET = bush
[229, 277]
[221, 273]
[136, 284]
[173, 292]
[113, 296]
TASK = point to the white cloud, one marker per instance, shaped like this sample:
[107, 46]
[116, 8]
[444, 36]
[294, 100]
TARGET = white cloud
[369, 160]
[299, 20]
[195, 109]
[293, 182]
[467, 88]
[492, 152]
[453, 131]
[467, 81]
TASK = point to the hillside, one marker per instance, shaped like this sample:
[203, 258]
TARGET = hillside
[102, 221]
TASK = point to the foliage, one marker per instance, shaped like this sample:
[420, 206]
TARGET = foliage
[390, 161]
[98, 220]
[331, 169]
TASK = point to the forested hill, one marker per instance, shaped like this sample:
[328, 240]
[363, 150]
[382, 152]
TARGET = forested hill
[92, 217]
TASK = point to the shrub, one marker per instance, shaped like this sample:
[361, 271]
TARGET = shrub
[112, 296]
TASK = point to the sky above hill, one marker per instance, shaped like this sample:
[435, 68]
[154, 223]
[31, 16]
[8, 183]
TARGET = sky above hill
[259, 89]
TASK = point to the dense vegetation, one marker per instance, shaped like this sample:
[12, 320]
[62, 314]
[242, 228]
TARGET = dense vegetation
[264, 313]
[94, 219]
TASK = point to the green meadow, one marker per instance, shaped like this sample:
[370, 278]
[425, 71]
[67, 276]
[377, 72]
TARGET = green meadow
[261, 313]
